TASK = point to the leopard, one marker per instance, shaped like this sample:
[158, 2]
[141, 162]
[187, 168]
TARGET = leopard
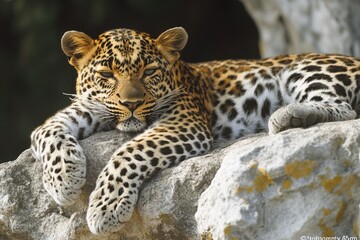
[132, 82]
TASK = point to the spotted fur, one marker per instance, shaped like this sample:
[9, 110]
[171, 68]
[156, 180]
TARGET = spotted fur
[130, 81]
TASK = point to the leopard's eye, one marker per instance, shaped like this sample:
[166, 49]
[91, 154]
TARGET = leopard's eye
[106, 74]
[150, 71]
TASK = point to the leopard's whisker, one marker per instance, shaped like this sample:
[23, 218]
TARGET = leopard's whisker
[98, 108]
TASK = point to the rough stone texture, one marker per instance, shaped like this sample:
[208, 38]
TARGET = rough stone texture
[165, 210]
[296, 183]
[298, 26]
[299, 182]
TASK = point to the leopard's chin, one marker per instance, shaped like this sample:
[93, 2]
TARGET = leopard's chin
[131, 125]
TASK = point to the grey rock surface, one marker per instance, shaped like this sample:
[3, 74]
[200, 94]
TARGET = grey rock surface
[165, 209]
[295, 184]
[299, 182]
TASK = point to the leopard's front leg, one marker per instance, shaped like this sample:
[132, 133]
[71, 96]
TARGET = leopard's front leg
[117, 188]
[55, 144]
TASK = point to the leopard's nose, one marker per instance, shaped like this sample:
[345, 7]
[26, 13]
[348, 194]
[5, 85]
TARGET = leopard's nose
[132, 105]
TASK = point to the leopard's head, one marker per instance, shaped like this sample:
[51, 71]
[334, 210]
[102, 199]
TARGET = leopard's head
[127, 71]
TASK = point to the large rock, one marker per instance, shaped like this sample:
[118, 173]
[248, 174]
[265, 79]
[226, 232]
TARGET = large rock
[299, 182]
[295, 184]
[166, 207]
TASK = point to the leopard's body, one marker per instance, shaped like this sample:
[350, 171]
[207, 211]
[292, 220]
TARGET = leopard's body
[130, 81]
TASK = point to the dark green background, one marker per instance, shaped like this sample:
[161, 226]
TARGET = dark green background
[35, 72]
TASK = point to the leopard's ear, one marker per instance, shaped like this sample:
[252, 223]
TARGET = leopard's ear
[171, 42]
[75, 45]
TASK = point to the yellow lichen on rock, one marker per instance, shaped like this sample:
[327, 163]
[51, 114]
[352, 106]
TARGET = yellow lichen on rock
[300, 169]
[247, 189]
[326, 231]
[326, 211]
[262, 180]
[206, 236]
[339, 185]
[286, 184]
[356, 225]
[330, 183]
[227, 230]
[350, 181]
[340, 214]
[329, 215]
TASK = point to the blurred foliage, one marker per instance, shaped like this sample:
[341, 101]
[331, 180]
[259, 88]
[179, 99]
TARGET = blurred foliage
[35, 72]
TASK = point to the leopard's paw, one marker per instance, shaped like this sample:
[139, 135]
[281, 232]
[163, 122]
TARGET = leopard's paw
[292, 116]
[111, 204]
[64, 169]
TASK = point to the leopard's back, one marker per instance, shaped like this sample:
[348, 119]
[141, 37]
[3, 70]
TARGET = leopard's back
[246, 93]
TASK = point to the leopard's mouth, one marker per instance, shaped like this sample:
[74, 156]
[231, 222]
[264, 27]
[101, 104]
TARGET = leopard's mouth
[132, 124]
